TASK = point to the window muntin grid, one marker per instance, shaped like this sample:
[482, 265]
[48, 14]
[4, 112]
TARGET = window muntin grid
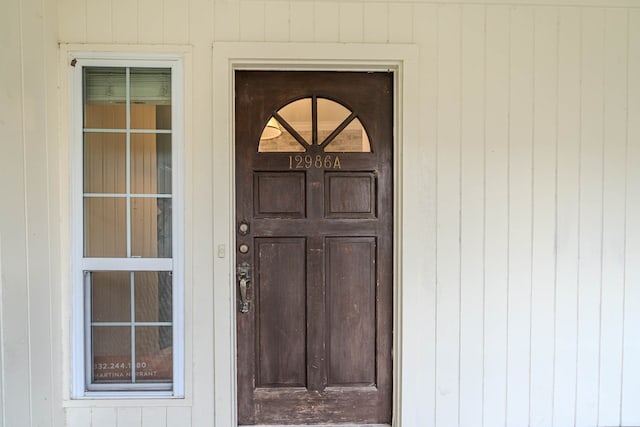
[129, 341]
[115, 166]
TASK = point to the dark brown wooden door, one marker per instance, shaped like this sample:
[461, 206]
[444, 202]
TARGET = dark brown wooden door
[314, 246]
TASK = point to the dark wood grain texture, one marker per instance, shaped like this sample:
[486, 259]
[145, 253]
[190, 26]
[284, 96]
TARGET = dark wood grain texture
[316, 344]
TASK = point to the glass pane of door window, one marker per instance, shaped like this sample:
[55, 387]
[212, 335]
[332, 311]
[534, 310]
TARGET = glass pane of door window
[275, 138]
[337, 128]
[352, 139]
[299, 115]
[330, 115]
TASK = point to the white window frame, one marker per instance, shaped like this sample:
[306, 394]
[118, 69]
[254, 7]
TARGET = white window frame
[80, 368]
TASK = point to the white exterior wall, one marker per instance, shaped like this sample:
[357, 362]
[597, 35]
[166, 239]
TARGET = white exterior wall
[527, 175]
[30, 373]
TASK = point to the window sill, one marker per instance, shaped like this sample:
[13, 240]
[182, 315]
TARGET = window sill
[126, 399]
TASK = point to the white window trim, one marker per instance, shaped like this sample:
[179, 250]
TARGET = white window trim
[78, 264]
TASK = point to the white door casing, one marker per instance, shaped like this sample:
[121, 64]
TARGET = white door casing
[412, 299]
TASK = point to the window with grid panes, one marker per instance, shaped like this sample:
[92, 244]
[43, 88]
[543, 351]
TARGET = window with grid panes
[129, 251]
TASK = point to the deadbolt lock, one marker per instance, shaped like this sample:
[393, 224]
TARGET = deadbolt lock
[243, 228]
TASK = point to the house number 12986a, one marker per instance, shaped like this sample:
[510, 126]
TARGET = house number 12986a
[318, 161]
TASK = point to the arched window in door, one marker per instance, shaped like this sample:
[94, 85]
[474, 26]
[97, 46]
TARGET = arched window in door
[314, 121]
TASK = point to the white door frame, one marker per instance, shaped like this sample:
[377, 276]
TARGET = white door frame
[410, 312]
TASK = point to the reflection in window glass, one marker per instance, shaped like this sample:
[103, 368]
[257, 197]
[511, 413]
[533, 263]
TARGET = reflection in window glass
[111, 296]
[352, 139]
[298, 115]
[154, 354]
[104, 162]
[275, 138]
[105, 95]
[105, 227]
[150, 227]
[153, 297]
[131, 327]
[150, 163]
[163, 163]
[150, 116]
[127, 154]
[111, 347]
[331, 118]
[150, 98]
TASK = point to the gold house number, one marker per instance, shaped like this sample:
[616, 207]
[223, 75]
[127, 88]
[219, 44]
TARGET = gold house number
[318, 161]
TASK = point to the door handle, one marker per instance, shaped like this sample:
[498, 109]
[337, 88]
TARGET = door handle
[244, 277]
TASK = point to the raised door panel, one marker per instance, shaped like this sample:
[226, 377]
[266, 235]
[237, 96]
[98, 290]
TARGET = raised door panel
[281, 312]
[351, 307]
[279, 195]
[350, 195]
